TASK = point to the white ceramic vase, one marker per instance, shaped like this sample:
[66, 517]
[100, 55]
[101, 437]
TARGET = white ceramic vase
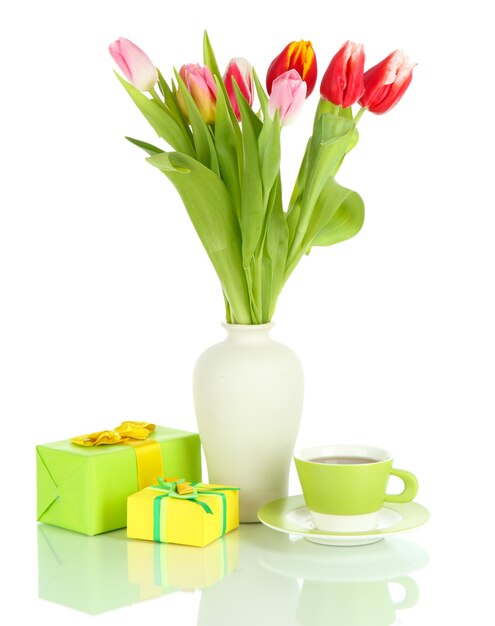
[248, 394]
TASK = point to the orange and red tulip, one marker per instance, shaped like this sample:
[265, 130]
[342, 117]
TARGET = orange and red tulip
[299, 56]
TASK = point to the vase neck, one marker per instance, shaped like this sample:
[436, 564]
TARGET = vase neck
[248, 333]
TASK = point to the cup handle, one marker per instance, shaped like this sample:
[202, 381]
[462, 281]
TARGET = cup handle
[411, 591]
[410, 487]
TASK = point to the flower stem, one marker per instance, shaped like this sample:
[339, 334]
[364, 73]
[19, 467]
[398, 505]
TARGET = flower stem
[359, 114]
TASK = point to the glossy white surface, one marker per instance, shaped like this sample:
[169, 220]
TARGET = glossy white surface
[107, 298]
[98, 574]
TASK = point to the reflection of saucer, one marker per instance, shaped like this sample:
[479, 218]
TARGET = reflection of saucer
[385, 560]
[290, 515]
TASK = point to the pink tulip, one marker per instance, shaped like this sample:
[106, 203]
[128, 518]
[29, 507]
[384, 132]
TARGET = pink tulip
[343, 83]
[386, 82]
[241, 71]
[287, 95]
[134, 63]
[202, 87]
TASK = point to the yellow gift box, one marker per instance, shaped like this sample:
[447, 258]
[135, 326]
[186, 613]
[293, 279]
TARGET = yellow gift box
[174, 511]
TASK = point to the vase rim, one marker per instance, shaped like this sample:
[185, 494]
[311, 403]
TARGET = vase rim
[248, 327]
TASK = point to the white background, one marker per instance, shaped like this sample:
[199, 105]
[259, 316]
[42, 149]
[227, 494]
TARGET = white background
[107, 297]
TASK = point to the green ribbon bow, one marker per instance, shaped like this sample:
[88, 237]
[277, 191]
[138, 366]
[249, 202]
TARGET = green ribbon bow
[190, 491]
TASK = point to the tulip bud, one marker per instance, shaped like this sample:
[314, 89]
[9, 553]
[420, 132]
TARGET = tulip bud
[386, 82]
[202, 87]
[134, 64]
[343, 83]
[242, 72]
[288, 95]
[299, 56]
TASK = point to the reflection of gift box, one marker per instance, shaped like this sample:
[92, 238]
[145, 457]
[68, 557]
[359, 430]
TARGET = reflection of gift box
[85, 488]
[91, 574]
[186, 513]
[172, 566]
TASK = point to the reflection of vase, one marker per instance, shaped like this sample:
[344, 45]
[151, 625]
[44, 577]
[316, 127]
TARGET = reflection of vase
[248, 393]
[251, 595]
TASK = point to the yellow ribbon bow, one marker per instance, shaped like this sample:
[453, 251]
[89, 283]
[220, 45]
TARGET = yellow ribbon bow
[127, 431]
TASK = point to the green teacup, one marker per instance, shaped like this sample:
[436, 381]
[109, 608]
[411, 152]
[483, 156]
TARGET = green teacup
[344, 486]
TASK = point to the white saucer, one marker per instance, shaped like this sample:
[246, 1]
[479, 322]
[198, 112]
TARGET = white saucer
[290, 515]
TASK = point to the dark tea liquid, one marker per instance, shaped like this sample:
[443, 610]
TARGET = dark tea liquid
[343, 460]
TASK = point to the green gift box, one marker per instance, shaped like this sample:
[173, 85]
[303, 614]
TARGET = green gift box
[86, 488]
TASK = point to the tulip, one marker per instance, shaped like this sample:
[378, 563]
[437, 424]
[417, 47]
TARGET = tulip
[299, 56]
[343, 83]
[134, 63]
[202, 87]
[242, 72]
[288, 95]
[386, 82]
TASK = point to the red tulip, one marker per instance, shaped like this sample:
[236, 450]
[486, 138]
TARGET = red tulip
[299, 56]
[386, 82]
[134, 63]
[202, 87]
[343, 83]
[240, 70]
[288, 96]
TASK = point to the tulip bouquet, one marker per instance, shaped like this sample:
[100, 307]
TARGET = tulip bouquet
[225, 158]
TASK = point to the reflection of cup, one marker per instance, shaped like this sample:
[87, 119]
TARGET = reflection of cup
[353, 603]
[344, 486]
[346, 587]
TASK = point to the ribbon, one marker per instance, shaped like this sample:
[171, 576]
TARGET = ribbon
[179, 489]
[127, 431]
[135, 434]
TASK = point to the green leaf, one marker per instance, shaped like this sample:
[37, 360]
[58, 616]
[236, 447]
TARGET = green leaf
[203, 143]
[172, 162]
[173, 106]
[293, 217]
[275, 252]
[209, 205]
[160, 119]
[147, 147]
[226, 148]
[324, 106]
[329, 144]
[338, 215]
[209, 57]
[269, 154]
[252, 208]
[262, 96]
[211, 62]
